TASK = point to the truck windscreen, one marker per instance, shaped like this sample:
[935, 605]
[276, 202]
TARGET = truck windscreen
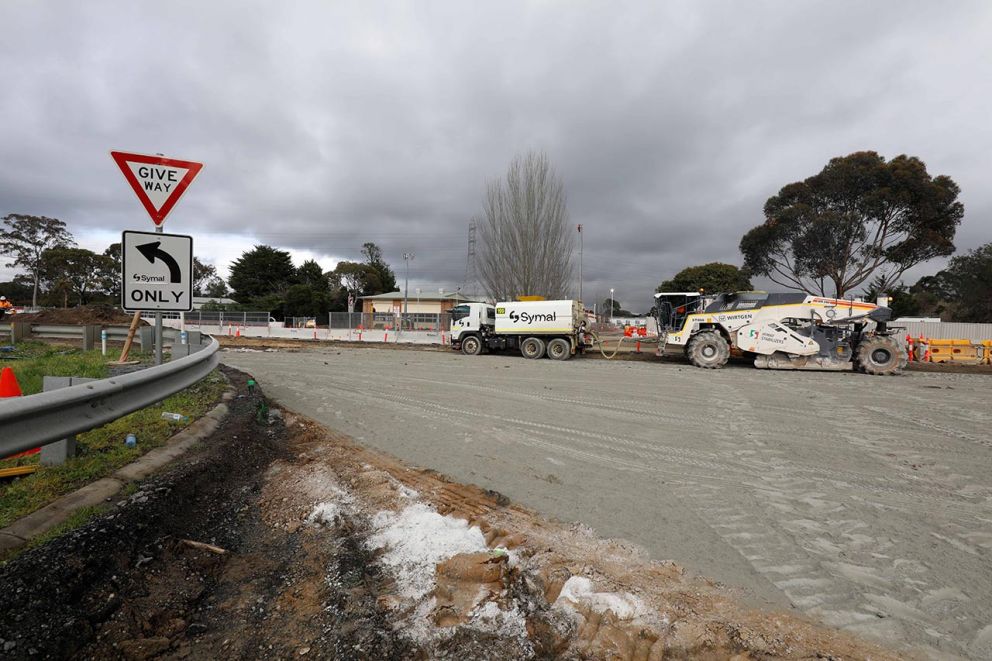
[459, 312]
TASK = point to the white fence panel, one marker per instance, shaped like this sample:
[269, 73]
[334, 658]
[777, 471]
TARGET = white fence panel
[945, 330]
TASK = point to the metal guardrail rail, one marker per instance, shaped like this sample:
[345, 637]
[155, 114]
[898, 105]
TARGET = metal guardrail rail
[35, 420]
[170, 336]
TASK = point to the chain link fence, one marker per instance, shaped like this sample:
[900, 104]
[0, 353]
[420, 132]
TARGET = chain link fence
[414, 321]
[227, 318]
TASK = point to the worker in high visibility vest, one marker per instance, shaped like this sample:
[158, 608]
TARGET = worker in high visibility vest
[5, 306]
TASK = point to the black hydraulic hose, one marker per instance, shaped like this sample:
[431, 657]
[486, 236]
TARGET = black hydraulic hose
[598, 341]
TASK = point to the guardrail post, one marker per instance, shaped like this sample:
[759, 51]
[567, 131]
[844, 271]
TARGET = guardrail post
[89, 337]
[19, 331]
[55, 454]
[181, 351]
[146, 337]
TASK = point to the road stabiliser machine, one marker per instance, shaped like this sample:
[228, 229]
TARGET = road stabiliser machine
[780, 331]
[555, 329]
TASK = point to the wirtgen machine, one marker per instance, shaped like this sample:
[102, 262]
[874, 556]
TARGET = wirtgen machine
[781, 331]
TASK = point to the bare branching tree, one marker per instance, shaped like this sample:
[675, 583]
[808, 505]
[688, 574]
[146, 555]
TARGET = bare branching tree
[526, 246]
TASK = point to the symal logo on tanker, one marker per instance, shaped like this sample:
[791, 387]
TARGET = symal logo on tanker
[528, 318]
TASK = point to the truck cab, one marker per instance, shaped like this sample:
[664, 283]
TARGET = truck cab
[471, 319]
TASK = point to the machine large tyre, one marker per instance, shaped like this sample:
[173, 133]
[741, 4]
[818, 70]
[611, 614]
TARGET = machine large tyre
[708, 349]
[880, 355]
[532, 347]
[559, 349]
[472, 345]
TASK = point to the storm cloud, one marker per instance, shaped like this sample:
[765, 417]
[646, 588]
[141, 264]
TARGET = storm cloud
[326, 124]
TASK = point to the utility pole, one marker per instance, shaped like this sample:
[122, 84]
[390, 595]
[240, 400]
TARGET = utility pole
[612, 305]
[406, 285]
[580, 264]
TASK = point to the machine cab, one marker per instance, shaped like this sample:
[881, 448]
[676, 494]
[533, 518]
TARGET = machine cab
[671, 308]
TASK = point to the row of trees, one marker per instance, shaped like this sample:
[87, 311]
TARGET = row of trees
[264, 278]
[57, 271]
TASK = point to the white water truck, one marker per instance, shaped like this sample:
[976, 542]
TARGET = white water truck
[535, 328]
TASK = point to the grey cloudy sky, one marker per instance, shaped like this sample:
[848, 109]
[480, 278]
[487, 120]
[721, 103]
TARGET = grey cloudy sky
[326, 124]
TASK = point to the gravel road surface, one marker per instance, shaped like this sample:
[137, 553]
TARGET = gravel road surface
[864, 502]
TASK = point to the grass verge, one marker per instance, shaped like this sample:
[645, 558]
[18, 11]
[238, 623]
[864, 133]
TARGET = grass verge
[102, 450]
[33, 360]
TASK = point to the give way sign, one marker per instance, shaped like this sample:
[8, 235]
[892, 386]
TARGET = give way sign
[158, 182]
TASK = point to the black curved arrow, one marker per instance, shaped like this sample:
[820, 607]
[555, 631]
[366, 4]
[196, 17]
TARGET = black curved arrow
[152, 250]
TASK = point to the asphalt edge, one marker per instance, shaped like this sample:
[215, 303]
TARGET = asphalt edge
[44, 519]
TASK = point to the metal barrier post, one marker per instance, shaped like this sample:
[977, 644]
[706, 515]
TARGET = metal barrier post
[89, 337]
[145, 337]
[55, 454]
[19, 330]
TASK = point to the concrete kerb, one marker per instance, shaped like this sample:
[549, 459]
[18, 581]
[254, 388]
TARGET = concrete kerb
[41, 521]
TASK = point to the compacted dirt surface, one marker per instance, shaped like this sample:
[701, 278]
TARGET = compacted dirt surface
[863, 503]
[280, 538]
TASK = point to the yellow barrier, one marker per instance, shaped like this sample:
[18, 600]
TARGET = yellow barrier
[959, 351]
[18, 471]
[988, 351]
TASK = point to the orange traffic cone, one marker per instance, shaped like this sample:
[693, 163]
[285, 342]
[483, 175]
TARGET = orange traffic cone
[10, 388]
[910, 352]
[8, 384]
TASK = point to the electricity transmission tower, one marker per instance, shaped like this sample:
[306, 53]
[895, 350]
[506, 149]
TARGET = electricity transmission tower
[468, 285]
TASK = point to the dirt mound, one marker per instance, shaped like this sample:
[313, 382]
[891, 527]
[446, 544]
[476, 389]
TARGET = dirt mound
[79, 316]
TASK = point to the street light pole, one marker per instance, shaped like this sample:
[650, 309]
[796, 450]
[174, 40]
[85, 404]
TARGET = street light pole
[612, 305]
[580, 263]
[406, 285]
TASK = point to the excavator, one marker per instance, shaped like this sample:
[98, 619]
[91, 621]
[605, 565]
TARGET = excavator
[793, 331]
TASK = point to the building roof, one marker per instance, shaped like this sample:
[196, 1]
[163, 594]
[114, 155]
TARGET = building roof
[202, 300]
[423, 296]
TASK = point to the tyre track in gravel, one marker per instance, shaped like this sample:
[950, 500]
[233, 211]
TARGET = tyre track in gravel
[907, 495]
[848, 494]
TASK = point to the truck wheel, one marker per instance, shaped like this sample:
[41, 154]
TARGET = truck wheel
[559, 349]
[708, 349]
[532, 347]
[879, 355]
[471, 346]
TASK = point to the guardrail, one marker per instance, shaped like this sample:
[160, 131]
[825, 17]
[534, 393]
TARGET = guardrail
[143, 336]
[36, 420]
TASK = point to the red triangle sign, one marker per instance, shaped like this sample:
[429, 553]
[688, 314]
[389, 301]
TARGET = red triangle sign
[158, 182]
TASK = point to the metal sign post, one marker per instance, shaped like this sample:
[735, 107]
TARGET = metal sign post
[158, 323]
